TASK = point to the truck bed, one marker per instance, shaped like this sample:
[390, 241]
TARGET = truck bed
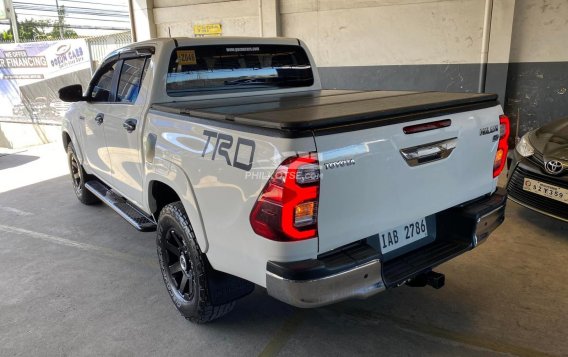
[325, 109]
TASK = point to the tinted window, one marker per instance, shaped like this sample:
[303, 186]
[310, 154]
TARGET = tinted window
[131, 76]
[237, 68]
[102, 86]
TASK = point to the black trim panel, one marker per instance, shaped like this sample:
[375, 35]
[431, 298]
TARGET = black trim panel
[399, 270]
[225, 124]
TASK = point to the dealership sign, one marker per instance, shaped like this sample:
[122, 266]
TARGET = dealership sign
[42, 59]
[67, 55]
[20, 59]
[38, 65]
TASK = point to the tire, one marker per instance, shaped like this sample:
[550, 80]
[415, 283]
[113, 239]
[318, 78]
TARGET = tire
[78, 178]
[184, 268]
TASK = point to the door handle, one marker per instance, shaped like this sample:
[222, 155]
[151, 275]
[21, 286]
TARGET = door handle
[423, 154]
[99, 118]
[130, 125]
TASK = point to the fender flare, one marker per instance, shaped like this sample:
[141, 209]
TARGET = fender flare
[177, 180]
[67, 129]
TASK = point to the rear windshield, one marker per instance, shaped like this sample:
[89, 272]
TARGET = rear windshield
[237, 68]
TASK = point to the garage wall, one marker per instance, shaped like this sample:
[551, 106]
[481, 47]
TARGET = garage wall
[239, 18]
[369, 33]
[404, 44]
[369, 44]
[537, 84]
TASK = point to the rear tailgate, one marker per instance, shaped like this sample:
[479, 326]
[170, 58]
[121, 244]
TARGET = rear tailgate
[367, 185]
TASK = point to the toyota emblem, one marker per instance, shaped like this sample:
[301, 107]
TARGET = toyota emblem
[554, 167]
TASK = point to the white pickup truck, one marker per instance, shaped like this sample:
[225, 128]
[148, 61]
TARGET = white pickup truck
[252, 174]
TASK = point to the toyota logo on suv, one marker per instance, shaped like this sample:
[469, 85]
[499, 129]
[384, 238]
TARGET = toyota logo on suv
[554, 167]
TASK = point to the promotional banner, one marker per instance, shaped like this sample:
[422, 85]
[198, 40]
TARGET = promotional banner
[32, 73]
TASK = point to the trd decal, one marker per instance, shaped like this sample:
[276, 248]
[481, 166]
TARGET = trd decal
[223, 146]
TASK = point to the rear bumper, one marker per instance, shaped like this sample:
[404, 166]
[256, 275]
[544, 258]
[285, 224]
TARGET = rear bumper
[358, 271]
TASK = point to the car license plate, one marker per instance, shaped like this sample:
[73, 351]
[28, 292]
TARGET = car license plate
[546, 190]
[405, 234]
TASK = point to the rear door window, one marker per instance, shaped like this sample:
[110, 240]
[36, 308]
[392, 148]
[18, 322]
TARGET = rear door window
[232, 68]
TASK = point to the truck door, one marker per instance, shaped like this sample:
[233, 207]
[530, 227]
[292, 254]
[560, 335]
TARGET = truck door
[99, 94]
[123, 129]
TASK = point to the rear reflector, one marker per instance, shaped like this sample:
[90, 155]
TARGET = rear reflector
[502, 147]
[305, 214]
[287, 207]
[413, 129]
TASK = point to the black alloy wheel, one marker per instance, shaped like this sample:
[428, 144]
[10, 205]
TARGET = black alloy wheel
[180, 268]
[78, 178]
[75, 172]
[185, 268]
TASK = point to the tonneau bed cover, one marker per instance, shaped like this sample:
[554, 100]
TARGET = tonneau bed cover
[324, 109]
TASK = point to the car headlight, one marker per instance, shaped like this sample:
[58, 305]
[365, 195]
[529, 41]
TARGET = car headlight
[524, 147]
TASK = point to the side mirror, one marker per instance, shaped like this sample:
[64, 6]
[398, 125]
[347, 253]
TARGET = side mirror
[72, 93]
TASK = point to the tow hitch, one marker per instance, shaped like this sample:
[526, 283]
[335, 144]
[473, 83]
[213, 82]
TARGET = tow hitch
[432, 278]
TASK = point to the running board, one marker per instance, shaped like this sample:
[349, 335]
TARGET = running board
[120, 205]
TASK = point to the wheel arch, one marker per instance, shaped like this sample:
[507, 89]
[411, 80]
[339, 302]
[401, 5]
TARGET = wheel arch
[162, 191]
[68, 137]
[65, 138]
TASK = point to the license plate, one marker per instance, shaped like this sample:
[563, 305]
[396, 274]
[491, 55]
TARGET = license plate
[546, 190]
[405, 234]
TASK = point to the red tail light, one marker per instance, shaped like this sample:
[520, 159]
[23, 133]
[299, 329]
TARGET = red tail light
[503, 147]
[287, 207]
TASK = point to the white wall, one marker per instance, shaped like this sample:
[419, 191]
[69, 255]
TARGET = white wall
[342, 32]
[238, 17]
[540, 31]
[376, 32]
[364, 33]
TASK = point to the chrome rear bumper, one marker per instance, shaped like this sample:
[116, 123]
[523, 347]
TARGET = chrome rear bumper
[357, 271]
[360, 282]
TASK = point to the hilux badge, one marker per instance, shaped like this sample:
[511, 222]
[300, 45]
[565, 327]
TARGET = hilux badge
[488, 130]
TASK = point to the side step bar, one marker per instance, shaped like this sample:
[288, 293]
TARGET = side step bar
[133, 215]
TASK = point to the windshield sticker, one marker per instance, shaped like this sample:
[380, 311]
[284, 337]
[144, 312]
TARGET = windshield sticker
[243, 49]
[186, 57]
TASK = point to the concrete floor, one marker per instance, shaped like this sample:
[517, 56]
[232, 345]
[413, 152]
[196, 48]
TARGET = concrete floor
[78, 280]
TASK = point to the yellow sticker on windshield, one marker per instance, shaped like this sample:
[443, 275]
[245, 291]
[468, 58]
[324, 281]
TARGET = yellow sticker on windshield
[186, 57]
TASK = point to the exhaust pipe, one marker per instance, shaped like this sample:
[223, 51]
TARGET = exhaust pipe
[432, 278]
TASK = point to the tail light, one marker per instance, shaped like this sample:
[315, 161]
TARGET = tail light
[503, 147]
[287, 207]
